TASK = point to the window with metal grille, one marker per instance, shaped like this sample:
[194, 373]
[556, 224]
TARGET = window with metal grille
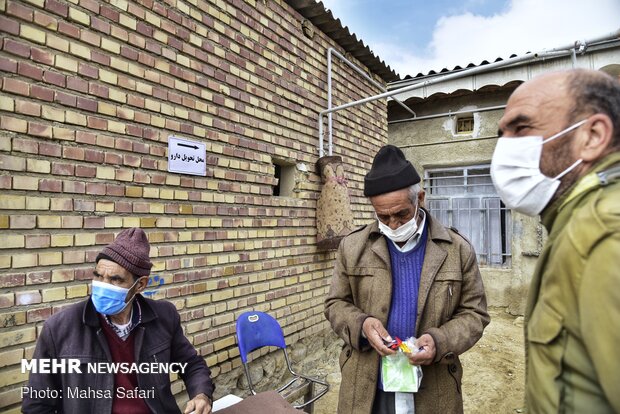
[465, 125]
[466, 199]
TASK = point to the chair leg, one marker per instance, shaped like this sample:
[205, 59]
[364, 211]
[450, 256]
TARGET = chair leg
[310, 407]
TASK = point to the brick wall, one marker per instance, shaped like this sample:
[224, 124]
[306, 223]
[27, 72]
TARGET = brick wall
[89, 93]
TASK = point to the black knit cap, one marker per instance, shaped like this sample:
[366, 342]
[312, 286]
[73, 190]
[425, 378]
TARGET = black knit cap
[130, 249]
[390, 171]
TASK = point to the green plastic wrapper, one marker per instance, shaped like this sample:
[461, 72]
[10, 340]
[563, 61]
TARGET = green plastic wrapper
[398, 375]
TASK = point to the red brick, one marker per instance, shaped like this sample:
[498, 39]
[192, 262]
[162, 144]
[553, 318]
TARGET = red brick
[8, 65]
[87, 104]
[77, 84]
[95, 188]
[42, 93]
[23, 222]
[59, 168]
[6, 301]
[91, 5]
[19, 11]
[16, 48]
[88, 71]
[37, 241]
[66, 99]
[91, 155]
[30, 71]
[42, 56]
[74, 187]
[25, 145]
[113, 159]
[69, 29]
[6, 181]
[39, 130]
[73, 257]
[28, 108]
[109, 13]
[49, 149]
[38, 315]
[100, 58]
[12, 280]
[9, 26]
[94, 222]
[54, 78]
[98, 90]
[45, 20]
[129, 53]
[84, 171]
[57, 7]
[99, 25]
[49, 185]
[115, 190]
[123, 144]
[34, 278]
[16, 86]
[97, 123]
[131, 160]
[84, 137]
[123, 207]
[134, 130]
[73, 153]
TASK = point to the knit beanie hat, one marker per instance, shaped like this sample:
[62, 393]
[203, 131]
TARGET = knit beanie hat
[390, 171]
[130, 249]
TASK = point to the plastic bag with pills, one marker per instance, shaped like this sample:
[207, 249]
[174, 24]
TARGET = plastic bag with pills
[397, 374]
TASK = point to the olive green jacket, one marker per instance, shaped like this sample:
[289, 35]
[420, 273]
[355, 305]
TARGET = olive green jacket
[451, 308]
[572, 322]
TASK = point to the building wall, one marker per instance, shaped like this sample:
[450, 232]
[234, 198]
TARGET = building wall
[90, 91]
[432, 143]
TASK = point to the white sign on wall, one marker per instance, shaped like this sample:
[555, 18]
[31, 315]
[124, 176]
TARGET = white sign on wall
[188, 157]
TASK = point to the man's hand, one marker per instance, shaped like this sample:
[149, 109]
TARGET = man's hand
[200, 404]
[376, 334]
[427, 352]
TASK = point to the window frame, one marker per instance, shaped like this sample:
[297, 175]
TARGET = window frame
[483, 243]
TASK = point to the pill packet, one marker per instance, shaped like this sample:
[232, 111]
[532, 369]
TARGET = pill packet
[397, 374]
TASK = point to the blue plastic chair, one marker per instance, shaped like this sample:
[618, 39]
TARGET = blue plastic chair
[258, 329]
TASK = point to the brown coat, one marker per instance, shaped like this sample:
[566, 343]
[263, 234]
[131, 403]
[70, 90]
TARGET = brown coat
[451, 308]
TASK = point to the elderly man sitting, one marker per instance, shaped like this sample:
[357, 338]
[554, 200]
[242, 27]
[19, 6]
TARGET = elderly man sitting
[116, 326]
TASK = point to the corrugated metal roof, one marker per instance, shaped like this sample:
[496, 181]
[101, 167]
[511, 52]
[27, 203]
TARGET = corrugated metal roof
[457, 68]
[332, 27]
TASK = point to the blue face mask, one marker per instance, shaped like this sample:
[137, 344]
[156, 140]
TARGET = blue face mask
[109, 299]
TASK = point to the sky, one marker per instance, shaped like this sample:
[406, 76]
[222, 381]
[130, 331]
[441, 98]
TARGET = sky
[416, 36]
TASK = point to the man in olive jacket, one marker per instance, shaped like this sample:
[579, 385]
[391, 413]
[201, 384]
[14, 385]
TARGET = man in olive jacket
[404, 275]
[117, 325]
[572, 323]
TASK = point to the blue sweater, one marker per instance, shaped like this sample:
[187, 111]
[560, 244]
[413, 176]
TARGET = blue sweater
[406, 271]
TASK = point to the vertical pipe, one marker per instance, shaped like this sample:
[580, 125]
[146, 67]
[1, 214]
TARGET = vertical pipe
[329, 99]
[321, 135]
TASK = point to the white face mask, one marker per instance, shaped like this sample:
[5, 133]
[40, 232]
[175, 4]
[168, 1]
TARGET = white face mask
[403, 233]
[515, 170]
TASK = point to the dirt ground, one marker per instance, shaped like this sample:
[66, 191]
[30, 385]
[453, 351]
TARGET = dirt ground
[493, 370]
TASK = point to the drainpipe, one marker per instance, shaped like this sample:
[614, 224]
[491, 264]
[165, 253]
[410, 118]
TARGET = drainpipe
[331, 51]
[556, 52]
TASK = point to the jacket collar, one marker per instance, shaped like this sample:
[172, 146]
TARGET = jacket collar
[579, 189]
[90, 315]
